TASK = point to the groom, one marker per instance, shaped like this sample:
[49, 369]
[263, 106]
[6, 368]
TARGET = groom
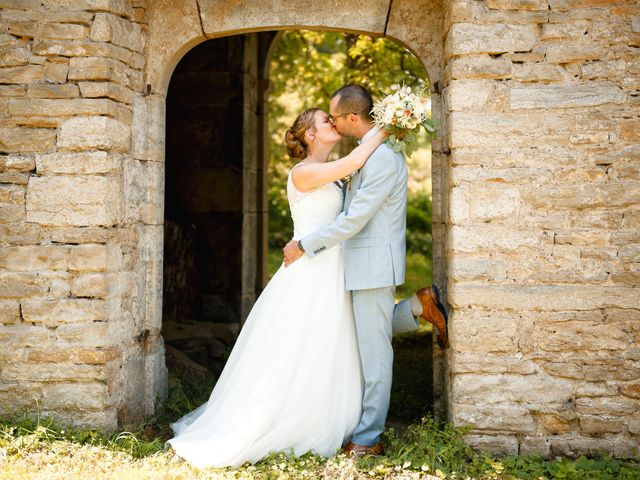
[371, 229]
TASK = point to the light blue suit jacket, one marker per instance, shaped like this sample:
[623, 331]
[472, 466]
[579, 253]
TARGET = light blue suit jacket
[372, 224]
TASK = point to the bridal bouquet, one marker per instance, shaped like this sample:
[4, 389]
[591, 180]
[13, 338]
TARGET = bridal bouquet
[402, 113]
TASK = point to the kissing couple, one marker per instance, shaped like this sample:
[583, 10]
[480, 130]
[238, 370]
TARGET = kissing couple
[312, 366]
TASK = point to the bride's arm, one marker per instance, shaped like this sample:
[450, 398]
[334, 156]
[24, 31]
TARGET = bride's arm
[312, 175]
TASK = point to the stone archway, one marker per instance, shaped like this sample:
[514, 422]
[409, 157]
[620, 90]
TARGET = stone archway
[536, 201]
[174, 29]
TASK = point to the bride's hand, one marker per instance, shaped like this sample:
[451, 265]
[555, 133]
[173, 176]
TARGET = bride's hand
[376, 141]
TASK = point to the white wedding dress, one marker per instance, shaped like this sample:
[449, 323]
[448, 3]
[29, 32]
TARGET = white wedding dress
[293, 382]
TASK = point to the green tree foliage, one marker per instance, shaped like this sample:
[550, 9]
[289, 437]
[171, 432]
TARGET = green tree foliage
[306, 68]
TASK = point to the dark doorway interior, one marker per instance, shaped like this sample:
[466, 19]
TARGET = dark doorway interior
[213, 202]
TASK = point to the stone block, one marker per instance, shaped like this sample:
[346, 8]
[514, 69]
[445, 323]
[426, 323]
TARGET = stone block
[10, 214]
[571, 30]
[15, 178]
[107, 27]
[594, 389]
[530, 129]
[488, 334]
[62, 107]
[566, 96]
[518, 4]
[515, 17]
[483, 66]
[500, 445]
[25, 140]
[53, 313]
[607, 405]
[469, 95]
[14, 57]
[84, 336]
[472, 238]
[535, 446]
[21, 74]
[495, 203]
[536, 389]
[483, 418]
[538, 72]
[630, 129]
[25, 285]
[76, 396]
[83, 356]
[477, 268]
[55, 372]
[218, 15]
[631, 390]
[87, 48]
[74, 200]
[467, 38]
[64, 30]
[556, 297]
[12, 194]
[479, 363]
[105, 69]
[599, 424]
[47, 90]
[13, 90]
[83, 163]
[91, 285]
[584, 196]
[105, 89]
[88, 258]
[554, 424]
[568, 5]
[56, 72]
[80, 17]
[34, 257]
[563, 52]
[9, 311]
[85, 133]
[118, 7]
[580, 336]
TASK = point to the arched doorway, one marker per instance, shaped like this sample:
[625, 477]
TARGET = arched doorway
[214, 201]
[175, 30]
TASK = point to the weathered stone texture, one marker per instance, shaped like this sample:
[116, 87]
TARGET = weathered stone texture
[538, 120]
[74, 200]
[85, 133]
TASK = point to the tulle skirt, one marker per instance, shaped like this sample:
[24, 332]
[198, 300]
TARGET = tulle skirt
[293, 382]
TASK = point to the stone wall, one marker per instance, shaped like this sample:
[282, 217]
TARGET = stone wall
[80, 214]
[543, 224]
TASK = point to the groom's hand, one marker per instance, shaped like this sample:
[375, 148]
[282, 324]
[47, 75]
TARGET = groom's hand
[291, 252]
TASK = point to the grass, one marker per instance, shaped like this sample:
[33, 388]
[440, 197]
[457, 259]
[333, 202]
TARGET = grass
[426, 449]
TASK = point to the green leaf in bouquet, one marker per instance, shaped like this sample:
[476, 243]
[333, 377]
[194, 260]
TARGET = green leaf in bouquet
[392, 139]
[398, 146]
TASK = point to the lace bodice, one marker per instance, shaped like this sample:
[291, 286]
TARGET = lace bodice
[314, 209]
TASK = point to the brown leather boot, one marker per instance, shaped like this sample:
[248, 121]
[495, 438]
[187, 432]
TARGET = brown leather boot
[355, 450]
[433, 312]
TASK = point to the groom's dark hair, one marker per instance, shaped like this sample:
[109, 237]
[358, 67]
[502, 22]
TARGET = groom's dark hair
[354, 99]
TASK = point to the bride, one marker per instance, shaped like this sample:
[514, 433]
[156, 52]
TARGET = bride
[293, 382]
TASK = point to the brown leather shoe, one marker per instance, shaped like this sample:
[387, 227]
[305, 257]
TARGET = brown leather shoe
[433, 312]
[355, 450]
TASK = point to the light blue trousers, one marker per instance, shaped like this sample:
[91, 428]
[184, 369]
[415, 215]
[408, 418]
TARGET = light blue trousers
[377, 320]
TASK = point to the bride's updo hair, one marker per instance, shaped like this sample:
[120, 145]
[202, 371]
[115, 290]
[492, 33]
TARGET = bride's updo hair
[294, 140]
